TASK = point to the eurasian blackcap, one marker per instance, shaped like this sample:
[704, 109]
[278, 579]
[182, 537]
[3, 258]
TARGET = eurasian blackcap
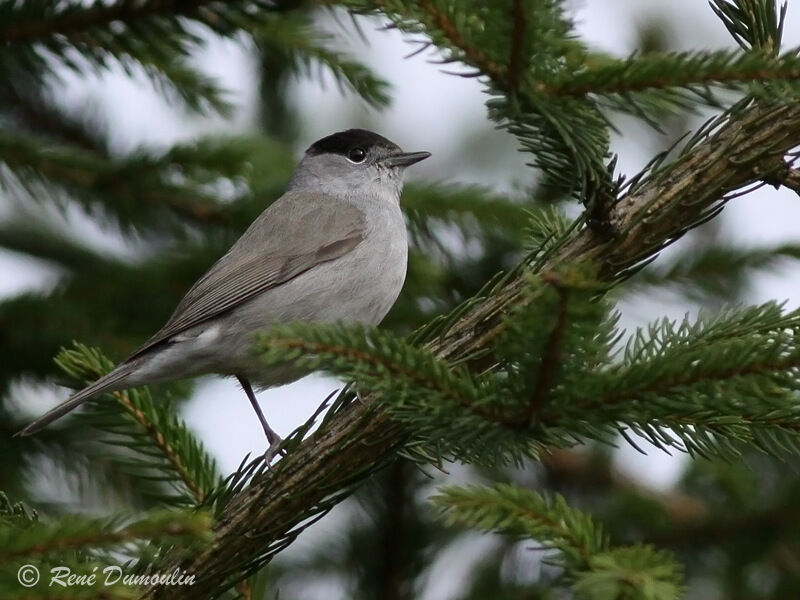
[333, 248]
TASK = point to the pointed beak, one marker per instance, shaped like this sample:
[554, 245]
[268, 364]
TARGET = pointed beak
[405, 159]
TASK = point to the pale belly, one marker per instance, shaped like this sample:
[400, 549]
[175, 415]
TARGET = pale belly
[360, 287]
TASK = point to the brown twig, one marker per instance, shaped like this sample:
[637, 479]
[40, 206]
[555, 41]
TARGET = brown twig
[474, 55]
[517, 56]
[245, 592]
[551, 356]
[166, 449]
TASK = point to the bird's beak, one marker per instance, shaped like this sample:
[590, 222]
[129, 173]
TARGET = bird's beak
[404, 159]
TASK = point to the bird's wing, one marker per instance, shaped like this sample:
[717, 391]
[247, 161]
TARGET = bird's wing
[298, 232]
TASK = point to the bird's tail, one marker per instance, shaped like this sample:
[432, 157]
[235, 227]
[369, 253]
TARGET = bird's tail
[113, 381]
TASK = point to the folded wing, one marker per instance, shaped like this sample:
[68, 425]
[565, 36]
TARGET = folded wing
[294, 235]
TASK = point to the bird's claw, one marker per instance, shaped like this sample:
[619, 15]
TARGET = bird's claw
[274, 449]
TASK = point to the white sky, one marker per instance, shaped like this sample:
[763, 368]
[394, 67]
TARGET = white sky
[431, 111]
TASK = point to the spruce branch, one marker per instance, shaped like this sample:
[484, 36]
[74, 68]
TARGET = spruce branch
[754, 24]
[568, 138]
[631, 572]
[551, 356]
[33, 110]
[516, 64]
[485, 418]
[515, 511]
[693, 75]
[472, 54]
[439, 401]
[15, 513]
[701, 387]
[715, 272]
[552, 100]
[43, 19]
[160, 36]
[789, 178]
[129, 188]
[305, 47]
[74, 533]
[169, 449]
[596, 569]
[37, 35]
[733, 152]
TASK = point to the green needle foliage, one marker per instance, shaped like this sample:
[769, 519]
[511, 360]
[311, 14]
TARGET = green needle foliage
[73, 533]
[594, 569]
[160, 448]
[548, 89]
[79, 547]
[702, 387]
[716, 272]
[754, 24]
[506, 361]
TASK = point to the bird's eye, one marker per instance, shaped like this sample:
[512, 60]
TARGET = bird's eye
[357, 155]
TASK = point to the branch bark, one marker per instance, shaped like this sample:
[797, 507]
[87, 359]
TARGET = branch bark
[790, 179]
[267, 515]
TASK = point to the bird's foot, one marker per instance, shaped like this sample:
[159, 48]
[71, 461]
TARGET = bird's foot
[274, 449]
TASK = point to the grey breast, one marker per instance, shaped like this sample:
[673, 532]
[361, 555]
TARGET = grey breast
[318, 258]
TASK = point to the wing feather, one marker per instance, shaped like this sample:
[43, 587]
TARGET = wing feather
[295, 234]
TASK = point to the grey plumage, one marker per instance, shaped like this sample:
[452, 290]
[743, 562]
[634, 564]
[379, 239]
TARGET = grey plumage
[275, 249]
[332, 248]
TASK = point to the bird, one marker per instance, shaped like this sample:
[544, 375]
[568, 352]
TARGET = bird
[332, 249]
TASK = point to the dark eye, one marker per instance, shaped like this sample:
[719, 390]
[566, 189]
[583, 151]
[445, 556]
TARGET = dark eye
[357, 155]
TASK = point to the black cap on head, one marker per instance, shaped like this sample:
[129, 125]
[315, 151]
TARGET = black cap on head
[344, 141]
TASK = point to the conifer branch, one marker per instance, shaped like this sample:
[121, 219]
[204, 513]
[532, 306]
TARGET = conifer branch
[553, 103]
[551, 357]
[74, 533]
[673, 383]
[172, 457]
[157, 35]
[790, 179]
[177, 454]
[523, 513]
[735, 151]
[43, 19]
[517, 57]
[68, 22]
[754, 24]
[29, 106]
[130, 186]
[322, 348]
[586, 555]
[694, 72]
[476, 56]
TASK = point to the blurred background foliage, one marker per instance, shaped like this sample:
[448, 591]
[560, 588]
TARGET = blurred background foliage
[169, 212]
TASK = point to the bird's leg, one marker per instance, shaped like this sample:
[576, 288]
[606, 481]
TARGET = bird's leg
[273, 438]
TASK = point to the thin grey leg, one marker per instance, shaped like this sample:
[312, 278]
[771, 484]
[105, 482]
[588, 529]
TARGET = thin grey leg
[273, 438]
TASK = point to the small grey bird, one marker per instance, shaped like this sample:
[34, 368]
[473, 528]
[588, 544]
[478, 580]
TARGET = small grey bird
[332, 248]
